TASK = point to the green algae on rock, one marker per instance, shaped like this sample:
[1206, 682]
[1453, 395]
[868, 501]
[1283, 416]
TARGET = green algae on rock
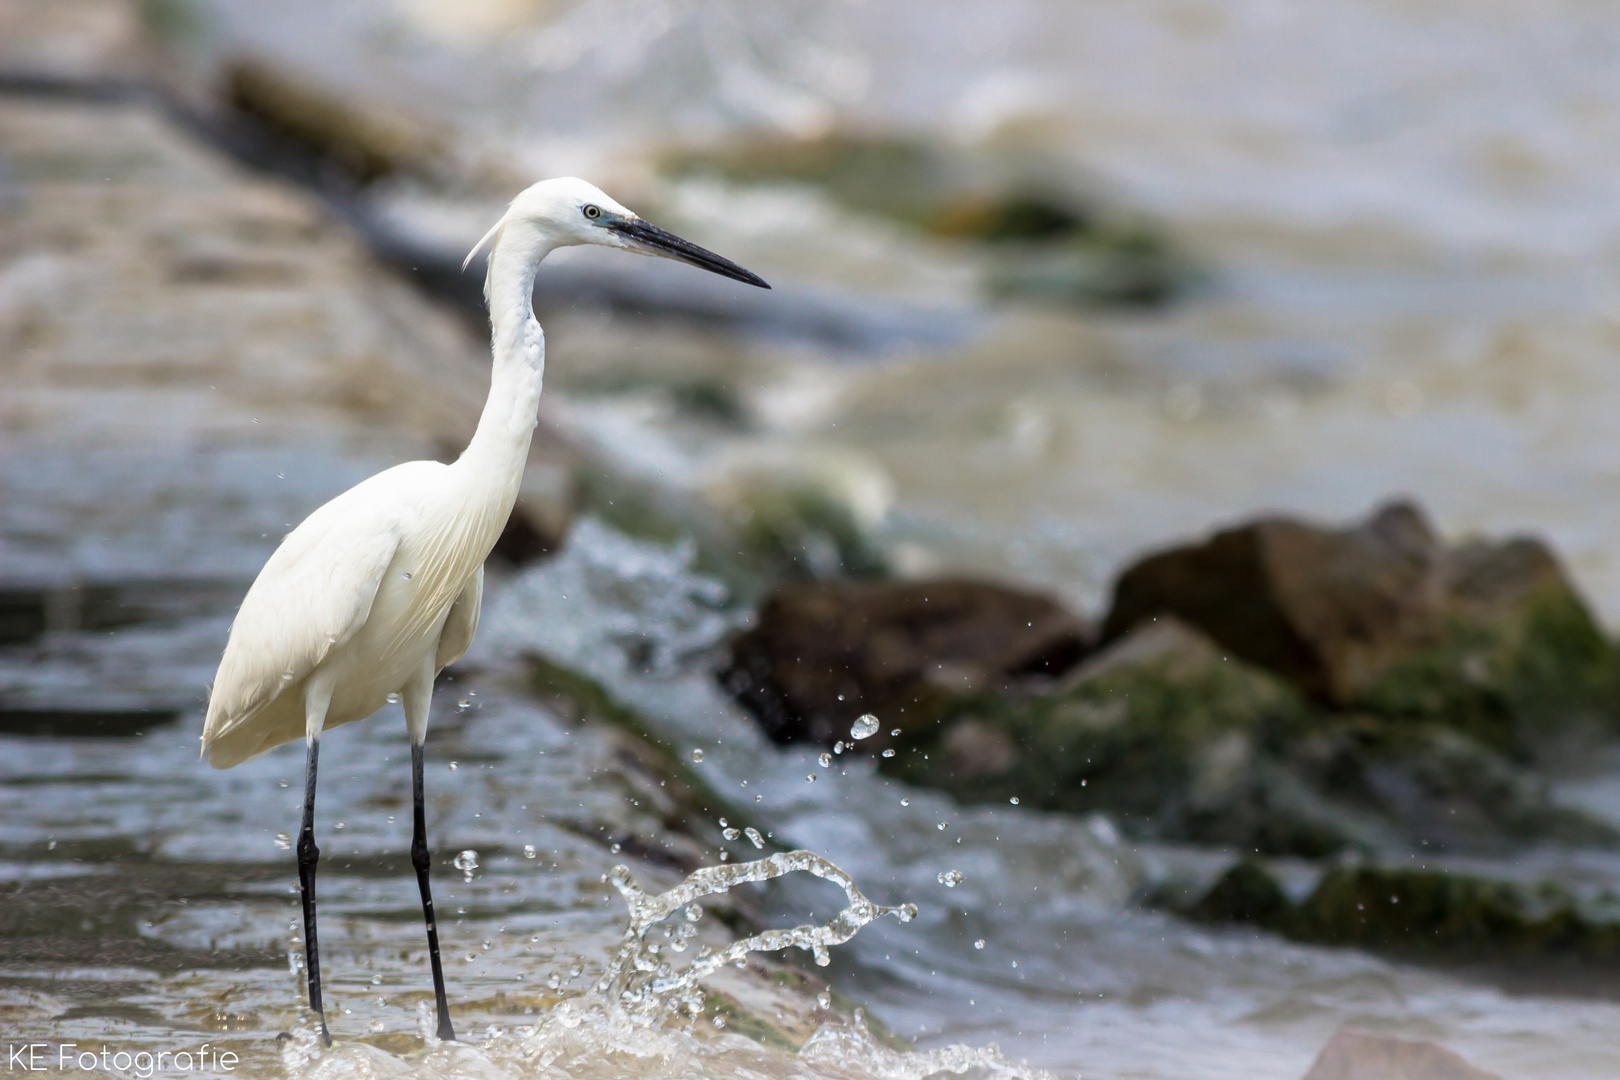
[1180, 741]
[1424, 913]
[1162, 731]
[1048, 243]
[1490, 639]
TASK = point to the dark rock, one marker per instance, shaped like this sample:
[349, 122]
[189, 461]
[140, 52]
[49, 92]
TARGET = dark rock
[1487, 638]
[1454, 915]
[367, 142]
[1360, 1055]
[1427, 914]
[1245, 893]
[823, 654]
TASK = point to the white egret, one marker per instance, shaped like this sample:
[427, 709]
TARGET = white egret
[375, 592]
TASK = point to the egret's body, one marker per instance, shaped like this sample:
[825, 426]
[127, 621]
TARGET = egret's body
[379, 589]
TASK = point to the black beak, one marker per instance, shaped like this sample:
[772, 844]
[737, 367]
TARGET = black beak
[655, 241]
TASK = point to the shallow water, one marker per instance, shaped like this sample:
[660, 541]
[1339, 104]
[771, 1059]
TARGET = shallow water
[1072, 976]
[129, 847]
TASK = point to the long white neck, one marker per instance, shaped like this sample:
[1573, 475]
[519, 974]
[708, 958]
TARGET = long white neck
[500, 447]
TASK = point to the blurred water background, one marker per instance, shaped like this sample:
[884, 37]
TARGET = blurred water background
[1373, 249]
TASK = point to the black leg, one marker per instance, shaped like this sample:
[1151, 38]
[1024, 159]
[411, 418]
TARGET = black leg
[308, 855]
[421, 860]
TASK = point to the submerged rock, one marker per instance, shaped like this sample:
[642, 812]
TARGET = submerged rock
[1424, 913]
[1047, 241]
[1360, 1055]
[824, 654]
[1488, 638]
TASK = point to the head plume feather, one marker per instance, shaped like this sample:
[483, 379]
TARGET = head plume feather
[489, 242]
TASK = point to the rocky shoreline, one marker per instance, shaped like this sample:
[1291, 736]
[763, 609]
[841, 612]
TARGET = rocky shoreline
[1281, 689]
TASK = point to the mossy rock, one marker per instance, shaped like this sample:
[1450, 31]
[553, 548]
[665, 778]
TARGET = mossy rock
[1429, 911]
[1178, 740]
[1245, 893]
[1487, 638]
[1055, 246]
[1530, 680]
[1164, 732]
[1423, 913]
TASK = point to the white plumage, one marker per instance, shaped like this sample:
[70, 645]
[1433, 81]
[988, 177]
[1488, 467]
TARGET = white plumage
[375, 592]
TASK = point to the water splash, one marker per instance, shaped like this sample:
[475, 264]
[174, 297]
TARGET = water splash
[854, 1052]
[637, 978]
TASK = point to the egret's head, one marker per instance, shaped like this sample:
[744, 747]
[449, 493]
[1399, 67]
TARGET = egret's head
[568, 211]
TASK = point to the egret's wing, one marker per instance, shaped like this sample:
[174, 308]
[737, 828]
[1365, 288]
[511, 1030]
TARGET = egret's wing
[311, 597]
[462, 622]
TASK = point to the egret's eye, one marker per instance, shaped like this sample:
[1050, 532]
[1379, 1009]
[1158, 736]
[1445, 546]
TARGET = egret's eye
[593, 211]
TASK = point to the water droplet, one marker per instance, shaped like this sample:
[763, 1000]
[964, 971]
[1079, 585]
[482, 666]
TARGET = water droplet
[454, 766]
[697, 755]
[464, 704]
[824, 1000]
[979, 944]
[488, 945]
[754, 838]
[810, 778]
[528, 851]
[942, 826]
[724, 823]
[693, 913]
[838, 747]
[718, 1021]
[393, 699]
[339, 826]
[950, 878]
[615, 847]
[284, 783]
[466, 862]
[864, 727]
[283, 841]
[1013, 800]
[825, 761]
[407, 575]
[889, 752]
[905, 802]
[894, 732]
[731, 834]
